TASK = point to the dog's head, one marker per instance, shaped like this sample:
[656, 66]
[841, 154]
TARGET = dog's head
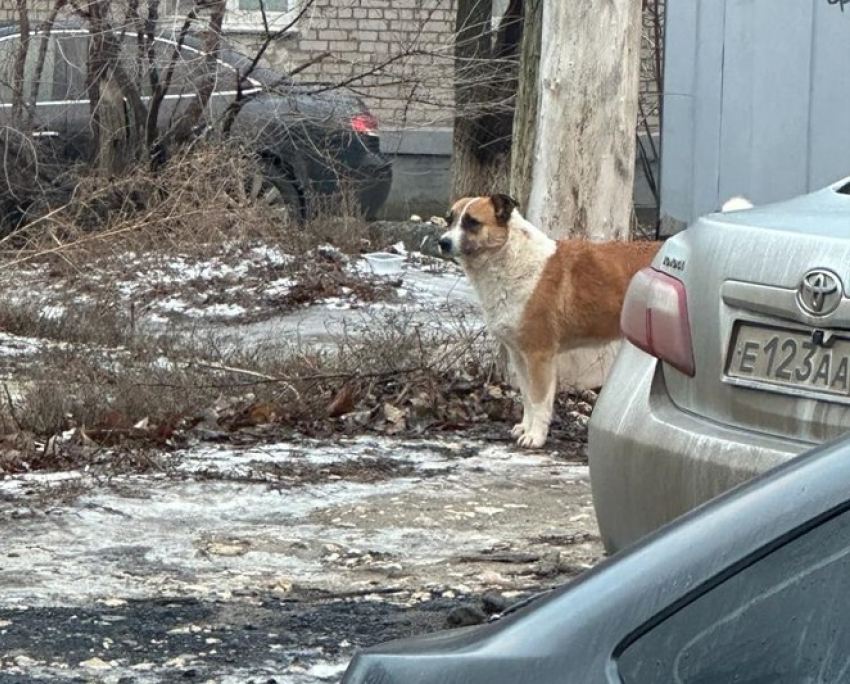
[477, 225]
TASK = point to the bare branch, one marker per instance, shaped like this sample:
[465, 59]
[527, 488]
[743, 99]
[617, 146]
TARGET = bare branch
[160, 88]
[20, 62]
[182, 130]
[239, 101]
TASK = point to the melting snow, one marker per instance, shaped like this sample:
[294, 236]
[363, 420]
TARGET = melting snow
[242, 530]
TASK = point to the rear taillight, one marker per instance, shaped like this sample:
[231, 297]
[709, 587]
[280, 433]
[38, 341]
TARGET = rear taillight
[655, 318]
[365, 124]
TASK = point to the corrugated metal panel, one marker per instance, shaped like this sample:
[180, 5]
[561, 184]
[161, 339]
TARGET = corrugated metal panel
[829, 122]
[757, 100]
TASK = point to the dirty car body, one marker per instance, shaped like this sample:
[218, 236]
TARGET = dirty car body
[311, 142]
[751, 587]
[738, 359]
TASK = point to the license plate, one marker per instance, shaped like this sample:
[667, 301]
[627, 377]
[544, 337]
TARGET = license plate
[790, 361]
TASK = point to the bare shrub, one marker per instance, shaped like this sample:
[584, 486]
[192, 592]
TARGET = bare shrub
[201, 200]
[27, 176]
[389, 359]
[421, 369]
[98, 322]
[198, 198]
[337, 219]
[105, 372]
[71, 389]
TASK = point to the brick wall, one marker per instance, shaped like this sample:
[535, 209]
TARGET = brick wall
[416, 88]
[397, 55]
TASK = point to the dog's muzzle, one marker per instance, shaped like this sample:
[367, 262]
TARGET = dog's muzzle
[445, 245]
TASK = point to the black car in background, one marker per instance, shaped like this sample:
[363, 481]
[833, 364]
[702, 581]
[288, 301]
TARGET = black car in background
[311, 142]
[753, 588]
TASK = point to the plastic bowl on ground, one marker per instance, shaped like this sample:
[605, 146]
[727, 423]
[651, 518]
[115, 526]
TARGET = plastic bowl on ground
[384, 263]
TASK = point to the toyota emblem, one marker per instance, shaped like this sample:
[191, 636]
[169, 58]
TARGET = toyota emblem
[819, 292]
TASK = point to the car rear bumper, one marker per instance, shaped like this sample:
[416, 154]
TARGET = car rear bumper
[650, 461]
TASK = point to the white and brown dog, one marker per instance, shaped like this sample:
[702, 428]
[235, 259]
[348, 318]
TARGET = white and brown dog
[540, 297]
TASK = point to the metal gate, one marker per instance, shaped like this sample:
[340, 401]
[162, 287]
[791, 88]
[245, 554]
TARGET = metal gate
[756, 102]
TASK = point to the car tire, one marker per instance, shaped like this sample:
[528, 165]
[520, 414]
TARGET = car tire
[278, 187]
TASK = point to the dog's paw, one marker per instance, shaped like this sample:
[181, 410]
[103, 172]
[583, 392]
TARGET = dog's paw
[518, 430]
[532, 440]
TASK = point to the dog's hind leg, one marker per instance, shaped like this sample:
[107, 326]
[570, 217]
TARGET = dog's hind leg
[542, 383]
[521, 372]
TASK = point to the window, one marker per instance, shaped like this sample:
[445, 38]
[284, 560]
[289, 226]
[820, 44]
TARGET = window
[62, 74]
[782, 620]
[247, 15]
[8, 50]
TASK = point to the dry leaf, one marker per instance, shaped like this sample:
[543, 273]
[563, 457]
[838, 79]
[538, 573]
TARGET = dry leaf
[396, 419]
[344, 402]
[261, 412]
[393, 414]
[114, 420]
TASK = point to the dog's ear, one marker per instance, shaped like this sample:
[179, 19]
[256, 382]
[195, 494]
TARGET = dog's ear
[503, 206]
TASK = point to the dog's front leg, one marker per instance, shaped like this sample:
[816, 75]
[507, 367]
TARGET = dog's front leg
[520, 369]
[542, 382]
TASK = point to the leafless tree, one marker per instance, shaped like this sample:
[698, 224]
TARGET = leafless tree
[485, 85]
[126, 90]
[525, 119]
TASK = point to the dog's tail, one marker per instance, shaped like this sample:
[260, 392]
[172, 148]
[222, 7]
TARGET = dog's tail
[736, 203]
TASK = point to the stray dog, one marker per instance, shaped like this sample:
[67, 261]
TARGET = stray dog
[539, 297]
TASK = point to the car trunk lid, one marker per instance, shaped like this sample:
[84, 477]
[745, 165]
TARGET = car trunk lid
[772, 352]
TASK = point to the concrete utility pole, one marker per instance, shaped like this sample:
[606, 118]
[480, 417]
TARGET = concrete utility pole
[584, 150]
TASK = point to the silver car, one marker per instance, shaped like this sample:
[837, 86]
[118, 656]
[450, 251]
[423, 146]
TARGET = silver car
[737, 358]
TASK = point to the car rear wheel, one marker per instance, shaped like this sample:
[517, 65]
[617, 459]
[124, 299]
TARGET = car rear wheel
[276, 186]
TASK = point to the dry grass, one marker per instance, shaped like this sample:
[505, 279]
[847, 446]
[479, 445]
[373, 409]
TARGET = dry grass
[199, 200]
[96, 322]
[101, 370]
[114, 380]
[169, 382]
[393, 374]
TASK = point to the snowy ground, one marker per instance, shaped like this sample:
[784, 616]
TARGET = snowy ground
[269, 560]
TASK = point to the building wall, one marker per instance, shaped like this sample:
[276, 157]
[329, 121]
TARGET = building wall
[397, 55]
[756, 103]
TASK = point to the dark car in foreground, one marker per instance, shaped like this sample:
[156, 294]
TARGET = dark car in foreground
[752, 587]
[310, 142]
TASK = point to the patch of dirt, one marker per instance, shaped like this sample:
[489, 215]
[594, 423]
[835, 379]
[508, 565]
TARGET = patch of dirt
[191, 640]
